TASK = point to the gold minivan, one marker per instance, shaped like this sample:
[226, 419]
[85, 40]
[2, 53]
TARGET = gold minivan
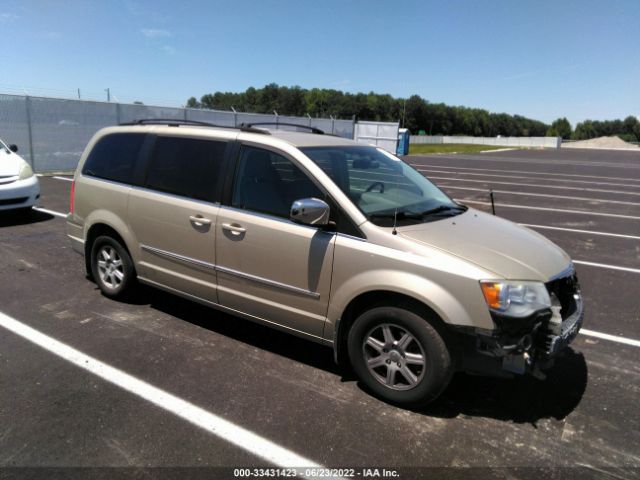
[328, 239]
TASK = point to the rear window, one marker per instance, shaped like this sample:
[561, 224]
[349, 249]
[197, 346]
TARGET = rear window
[187, 167]
[114, 157]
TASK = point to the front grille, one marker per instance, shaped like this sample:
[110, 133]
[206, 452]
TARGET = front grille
[565, 289]
[13, 201]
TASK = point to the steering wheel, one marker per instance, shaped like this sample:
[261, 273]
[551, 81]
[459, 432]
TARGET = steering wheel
[374, 185]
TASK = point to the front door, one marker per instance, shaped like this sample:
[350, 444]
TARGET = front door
[268, 266]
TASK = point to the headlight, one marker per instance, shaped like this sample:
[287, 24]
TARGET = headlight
[26, 172]
[515, 299]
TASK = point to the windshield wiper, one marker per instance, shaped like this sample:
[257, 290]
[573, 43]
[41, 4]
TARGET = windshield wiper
[399, 215]
[444, 208]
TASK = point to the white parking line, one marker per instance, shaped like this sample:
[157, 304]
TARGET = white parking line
[416, 165]
[545, 179]
[611, 338]
[539, 161]
[548, 195]
[68, 179]
[545, 209]
[218, 426]
[499, 150]
[50, 212]
[559, 187]
[575, 230]
[610, 267]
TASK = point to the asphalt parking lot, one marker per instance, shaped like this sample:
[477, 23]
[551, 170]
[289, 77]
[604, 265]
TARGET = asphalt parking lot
[584, 419]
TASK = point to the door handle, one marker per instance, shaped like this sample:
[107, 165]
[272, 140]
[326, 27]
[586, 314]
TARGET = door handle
[233, 228]
[199, 220]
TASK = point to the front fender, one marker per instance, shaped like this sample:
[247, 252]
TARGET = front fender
[441, 301]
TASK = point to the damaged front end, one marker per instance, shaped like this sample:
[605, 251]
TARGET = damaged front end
[533, 323]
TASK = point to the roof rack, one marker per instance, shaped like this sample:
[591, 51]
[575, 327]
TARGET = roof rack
[308, 127]
[175, 122]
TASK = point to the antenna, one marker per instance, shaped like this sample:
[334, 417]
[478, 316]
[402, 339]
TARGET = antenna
[493, 205]
[395, 212]
[395, 221]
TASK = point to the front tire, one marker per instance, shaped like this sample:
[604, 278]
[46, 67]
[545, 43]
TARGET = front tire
[112, 267]
[399, 356]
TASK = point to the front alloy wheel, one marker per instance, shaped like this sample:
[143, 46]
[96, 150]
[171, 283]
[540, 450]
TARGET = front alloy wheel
[400, 355]
[393, 356]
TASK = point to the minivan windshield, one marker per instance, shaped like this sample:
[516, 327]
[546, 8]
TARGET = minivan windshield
[382, 186]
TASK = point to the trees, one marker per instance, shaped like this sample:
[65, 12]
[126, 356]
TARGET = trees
[627, 129]
[631, 129]
[560, 128]
[419, 114]
[584, 131]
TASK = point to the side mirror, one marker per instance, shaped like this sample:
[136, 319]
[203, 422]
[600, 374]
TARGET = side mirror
[310, 211]
[13, 147]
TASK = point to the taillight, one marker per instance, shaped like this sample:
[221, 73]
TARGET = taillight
[72, 196]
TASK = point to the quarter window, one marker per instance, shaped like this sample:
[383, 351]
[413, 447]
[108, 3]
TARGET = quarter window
[114, 157]
[269, 183]
[187, 167]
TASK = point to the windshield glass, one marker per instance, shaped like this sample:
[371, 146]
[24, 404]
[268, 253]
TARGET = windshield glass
[382, 186]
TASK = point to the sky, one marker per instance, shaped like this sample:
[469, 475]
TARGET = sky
[539, 58]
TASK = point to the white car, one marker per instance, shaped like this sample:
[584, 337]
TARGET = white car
[19, 187]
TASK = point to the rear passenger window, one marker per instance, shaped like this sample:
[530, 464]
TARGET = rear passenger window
[114, 157]
[187, 167]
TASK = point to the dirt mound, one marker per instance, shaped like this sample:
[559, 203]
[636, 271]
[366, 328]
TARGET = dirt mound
[602, 142]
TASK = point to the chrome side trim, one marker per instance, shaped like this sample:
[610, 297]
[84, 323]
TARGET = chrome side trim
[268, 282]
[202, 301]
[177, 257]
[230, 271]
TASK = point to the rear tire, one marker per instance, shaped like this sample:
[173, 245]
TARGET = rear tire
[112, 267]
[399, 356]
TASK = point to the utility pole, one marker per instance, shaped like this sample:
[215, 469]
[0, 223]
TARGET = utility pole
[79, 97]
[404, 111]
[108, 94]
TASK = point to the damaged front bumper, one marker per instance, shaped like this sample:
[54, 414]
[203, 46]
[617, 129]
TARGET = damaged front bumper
[529, 345]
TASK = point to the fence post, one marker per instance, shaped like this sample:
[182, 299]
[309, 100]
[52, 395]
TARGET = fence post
[185, 114]
[27, 103]
[353, 129]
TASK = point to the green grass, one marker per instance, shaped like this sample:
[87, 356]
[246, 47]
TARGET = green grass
[449, 148]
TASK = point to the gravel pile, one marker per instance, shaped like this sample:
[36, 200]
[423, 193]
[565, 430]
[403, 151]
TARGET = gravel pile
[602, 142]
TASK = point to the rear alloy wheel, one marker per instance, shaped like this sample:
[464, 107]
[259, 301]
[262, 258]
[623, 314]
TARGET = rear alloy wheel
[399, 356]
[111, 266]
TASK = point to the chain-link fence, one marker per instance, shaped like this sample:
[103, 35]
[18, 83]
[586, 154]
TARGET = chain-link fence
[52, 133]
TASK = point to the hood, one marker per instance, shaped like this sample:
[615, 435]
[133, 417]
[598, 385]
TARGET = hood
[10, 163]
[495, 244]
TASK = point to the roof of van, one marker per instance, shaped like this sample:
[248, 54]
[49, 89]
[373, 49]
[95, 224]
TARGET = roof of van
[303, 139]
[295, 138]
